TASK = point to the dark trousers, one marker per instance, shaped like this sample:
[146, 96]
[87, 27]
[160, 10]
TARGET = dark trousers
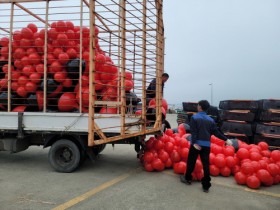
[204, 156]
[137, 146]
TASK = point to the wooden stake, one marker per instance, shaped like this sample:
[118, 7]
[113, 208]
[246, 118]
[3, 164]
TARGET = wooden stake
[10, 59]
[123, 63]
[46, 57]
[91, 124]
[159, 66]
[144, 63]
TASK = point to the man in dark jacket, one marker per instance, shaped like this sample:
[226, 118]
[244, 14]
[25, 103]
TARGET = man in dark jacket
[151, 90]
[201, 127]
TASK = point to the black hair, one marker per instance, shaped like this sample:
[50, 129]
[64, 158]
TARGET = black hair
[204, 105]
[165, 75]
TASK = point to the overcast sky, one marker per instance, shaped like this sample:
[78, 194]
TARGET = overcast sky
[233, 44]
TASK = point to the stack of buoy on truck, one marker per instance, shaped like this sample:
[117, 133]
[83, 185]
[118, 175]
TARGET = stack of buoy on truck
[64, 79]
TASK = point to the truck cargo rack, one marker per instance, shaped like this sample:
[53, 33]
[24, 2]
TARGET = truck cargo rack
[130, 34]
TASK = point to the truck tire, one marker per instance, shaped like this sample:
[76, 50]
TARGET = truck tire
[98, 149]
[64, 156]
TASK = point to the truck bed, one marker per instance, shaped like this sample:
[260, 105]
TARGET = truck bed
[60, 122]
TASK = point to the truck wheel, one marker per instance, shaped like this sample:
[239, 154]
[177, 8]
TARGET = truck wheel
[64, 156]
[98, 149]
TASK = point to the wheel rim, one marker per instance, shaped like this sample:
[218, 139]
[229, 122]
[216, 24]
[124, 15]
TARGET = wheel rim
[64, 156]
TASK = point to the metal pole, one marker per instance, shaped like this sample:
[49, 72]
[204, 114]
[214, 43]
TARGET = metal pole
[211, 93]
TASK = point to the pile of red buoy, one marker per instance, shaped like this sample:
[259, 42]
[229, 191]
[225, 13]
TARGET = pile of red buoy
[250, 164]
[64, 76]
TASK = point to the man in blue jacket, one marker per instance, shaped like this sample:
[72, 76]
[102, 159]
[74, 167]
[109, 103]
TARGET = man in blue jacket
[201, 128]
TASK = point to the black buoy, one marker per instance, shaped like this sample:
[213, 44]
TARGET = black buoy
[73, 69]
[15, 100]
[54, 89]
[32, 103]
[2, 63]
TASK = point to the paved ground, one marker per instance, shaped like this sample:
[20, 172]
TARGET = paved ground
[116, 181]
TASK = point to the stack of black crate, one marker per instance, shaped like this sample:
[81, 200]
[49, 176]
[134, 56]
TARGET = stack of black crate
[268, 122]
[189, 108]
[237, 119]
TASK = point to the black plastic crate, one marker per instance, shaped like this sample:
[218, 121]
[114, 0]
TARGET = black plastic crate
[268, 129]
[275, 142]
[189, 106]
[266, 104]
[186, 115]
[239, 105]
[183, 117]
[240, 116]
[237, 127]
[215, 118]
[214, 113]
[269, 116]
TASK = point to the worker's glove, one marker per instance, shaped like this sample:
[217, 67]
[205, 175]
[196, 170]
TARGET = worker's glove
[229, 142]
[196, 146]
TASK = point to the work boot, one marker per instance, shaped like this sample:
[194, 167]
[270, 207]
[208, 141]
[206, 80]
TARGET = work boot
[205, 190]
[206, 184]
[183, 179]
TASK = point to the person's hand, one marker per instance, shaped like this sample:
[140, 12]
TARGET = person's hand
[196, 146]
[229, 142]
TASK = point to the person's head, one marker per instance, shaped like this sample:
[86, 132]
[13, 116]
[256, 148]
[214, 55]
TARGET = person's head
[165, 77]
[203, 105]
